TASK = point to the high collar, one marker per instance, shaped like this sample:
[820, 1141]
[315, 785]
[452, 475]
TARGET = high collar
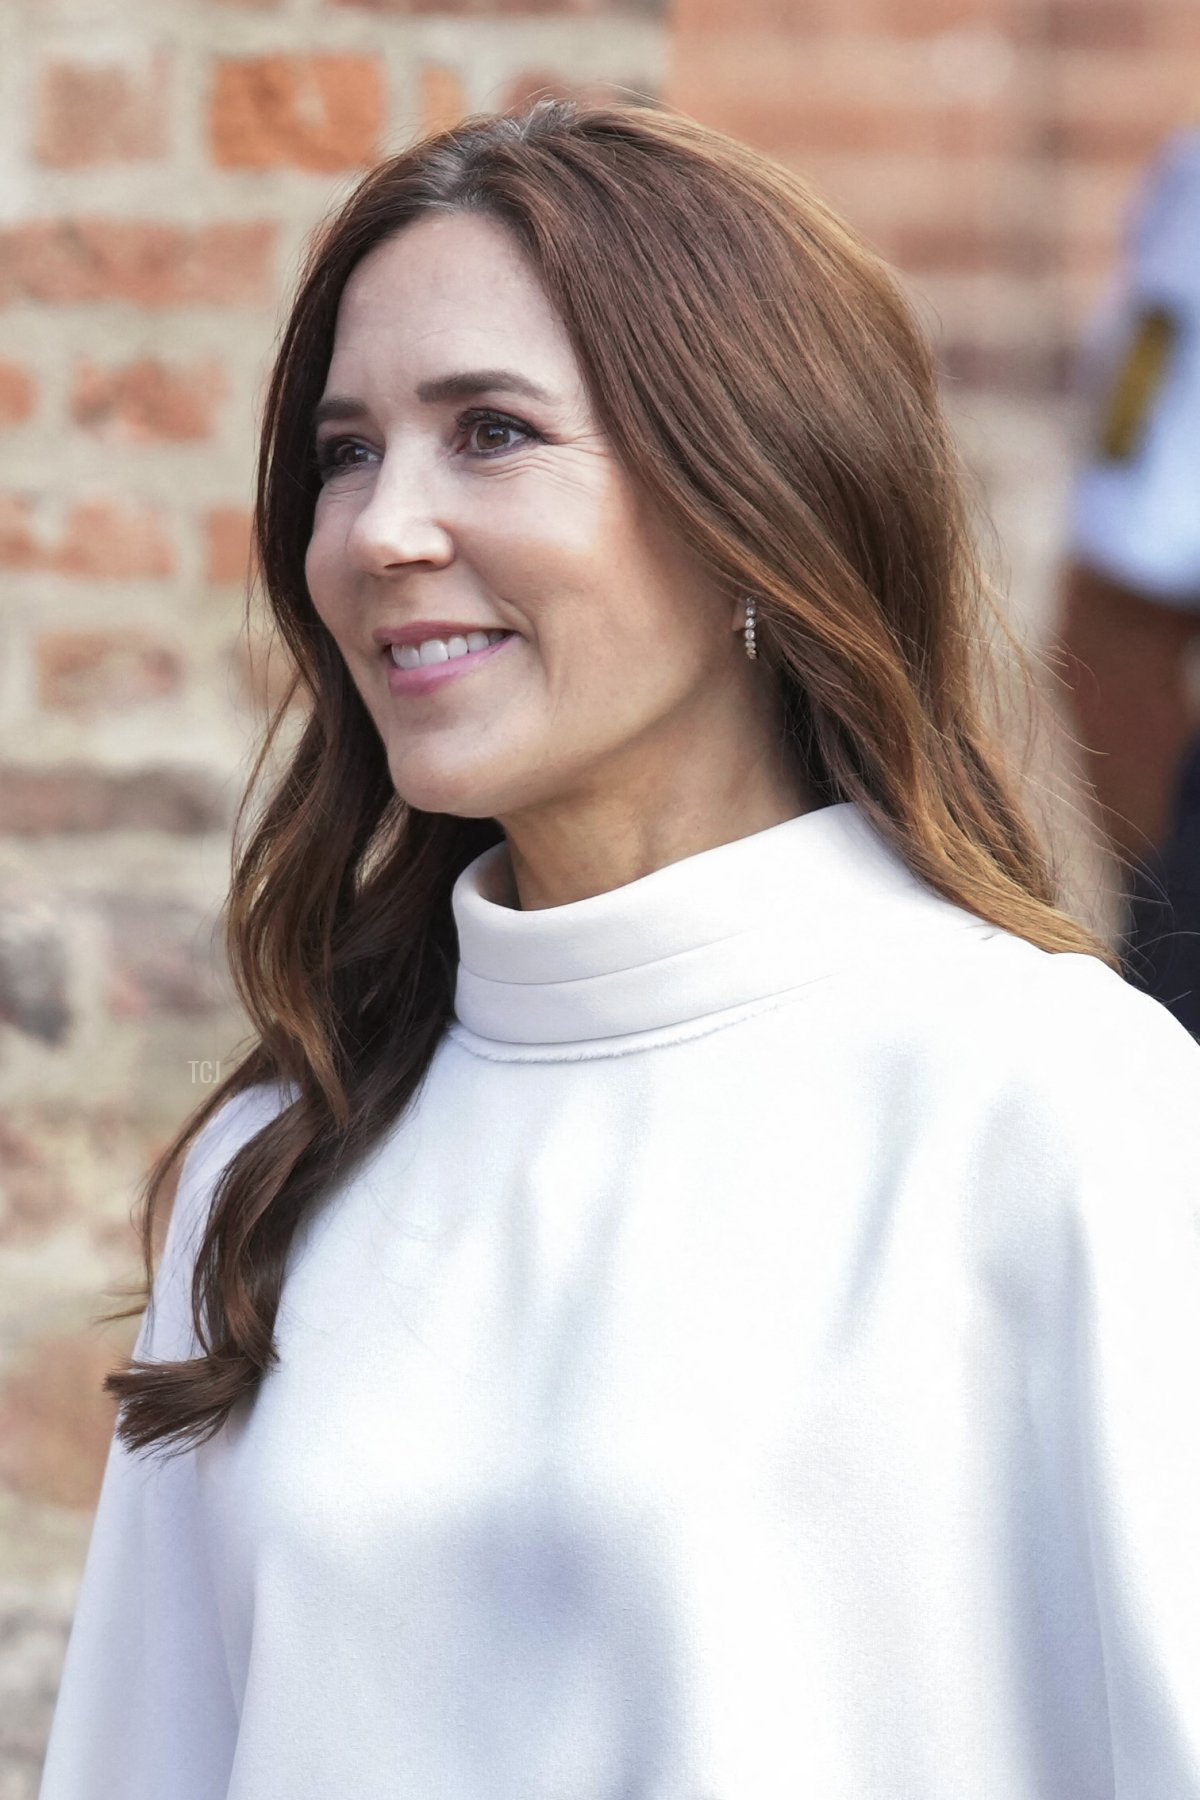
[721, 929]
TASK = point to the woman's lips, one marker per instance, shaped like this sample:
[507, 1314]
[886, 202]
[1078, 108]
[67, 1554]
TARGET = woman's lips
[429, 676]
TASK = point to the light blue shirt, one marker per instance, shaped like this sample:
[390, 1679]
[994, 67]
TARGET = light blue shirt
[1136, 507]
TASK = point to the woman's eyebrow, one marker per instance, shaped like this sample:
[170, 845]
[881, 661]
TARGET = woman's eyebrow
[464, 385]
[479, 381]
[336, 406]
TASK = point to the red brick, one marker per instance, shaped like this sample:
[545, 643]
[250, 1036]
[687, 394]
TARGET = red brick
[56, 1420]
[880, 194]
[79, 797]
[1094, 200]
[1176, 27]
[858, 18]
[1156, 88]
[87, 671]
[65, 1162]
[18, 395]
[64, 261]
[1101, 138]
[19, 547]
[164, 956]
[91, 113]
[1027, 369]
[101, 539]
[33, 1195]
[443, 97]
[148, 400]
[833, 94]
[113, 540]
[228, 545]
[1091, 24]
[504, 8]
[841, 126]
[306, 112]
[967, 248]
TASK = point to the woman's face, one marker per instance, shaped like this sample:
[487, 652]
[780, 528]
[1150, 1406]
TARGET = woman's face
[467, 488]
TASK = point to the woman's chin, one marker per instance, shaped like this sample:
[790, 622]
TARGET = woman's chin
[463, 795]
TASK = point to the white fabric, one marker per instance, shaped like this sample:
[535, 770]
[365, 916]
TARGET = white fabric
[721, 1386]
[1138, 520]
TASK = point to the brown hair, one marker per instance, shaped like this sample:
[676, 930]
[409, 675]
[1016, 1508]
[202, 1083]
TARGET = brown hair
[758, 371]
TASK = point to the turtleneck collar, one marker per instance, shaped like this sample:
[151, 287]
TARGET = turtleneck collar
[722, 929]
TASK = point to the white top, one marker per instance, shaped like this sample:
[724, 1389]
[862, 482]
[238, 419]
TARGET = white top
[1136, 506]
[764, 1364]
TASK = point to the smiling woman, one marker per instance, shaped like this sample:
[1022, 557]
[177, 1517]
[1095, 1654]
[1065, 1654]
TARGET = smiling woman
[440, 513]
[693, 1290]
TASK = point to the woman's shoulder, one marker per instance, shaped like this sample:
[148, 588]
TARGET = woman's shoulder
[235, 1121]
[1065, 1016]
[238, 1118]
[1055, 1052]
[1062, 1073]
[167, 1329]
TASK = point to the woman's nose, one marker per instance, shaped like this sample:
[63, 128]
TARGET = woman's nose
[398, 526]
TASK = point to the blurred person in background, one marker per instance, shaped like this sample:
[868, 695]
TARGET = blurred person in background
[1131, 592]
[693, 1288]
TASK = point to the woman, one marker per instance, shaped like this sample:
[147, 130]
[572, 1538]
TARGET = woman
[678, 1311]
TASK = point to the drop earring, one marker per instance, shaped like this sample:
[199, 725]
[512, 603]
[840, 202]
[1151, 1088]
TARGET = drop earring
[751, 622]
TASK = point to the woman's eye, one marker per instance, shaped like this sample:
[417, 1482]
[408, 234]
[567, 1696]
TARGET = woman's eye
[489, 433]
[336, 454]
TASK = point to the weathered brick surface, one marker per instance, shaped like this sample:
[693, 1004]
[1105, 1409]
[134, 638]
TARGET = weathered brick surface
[91, 113]
[515, 10]
[143, 262]
[227, 548]
[19, 548]
[56, 1420]
[44, 802]
[35, 1619]
[148, 399]
[33, 1192]
[443, 96]
[105, 539]
[967, 140]
[115, 540]
[306, 112]
[18, 394]
[34, 975]
[86, 671]
[163, 955]
[1101, 25]
[141, 290]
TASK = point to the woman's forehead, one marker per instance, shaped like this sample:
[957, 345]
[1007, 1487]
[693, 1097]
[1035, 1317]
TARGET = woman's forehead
[461, 268]
[449, 293]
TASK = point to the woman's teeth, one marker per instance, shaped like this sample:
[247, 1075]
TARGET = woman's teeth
[437, 650]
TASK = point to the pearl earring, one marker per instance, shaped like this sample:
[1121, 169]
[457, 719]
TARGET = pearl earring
[751, 610]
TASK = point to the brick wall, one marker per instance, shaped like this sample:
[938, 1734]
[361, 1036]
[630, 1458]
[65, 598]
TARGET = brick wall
[160, 167]
[991, 150]
[988, 147]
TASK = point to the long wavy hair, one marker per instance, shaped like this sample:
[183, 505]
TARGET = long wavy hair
[758, 371]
